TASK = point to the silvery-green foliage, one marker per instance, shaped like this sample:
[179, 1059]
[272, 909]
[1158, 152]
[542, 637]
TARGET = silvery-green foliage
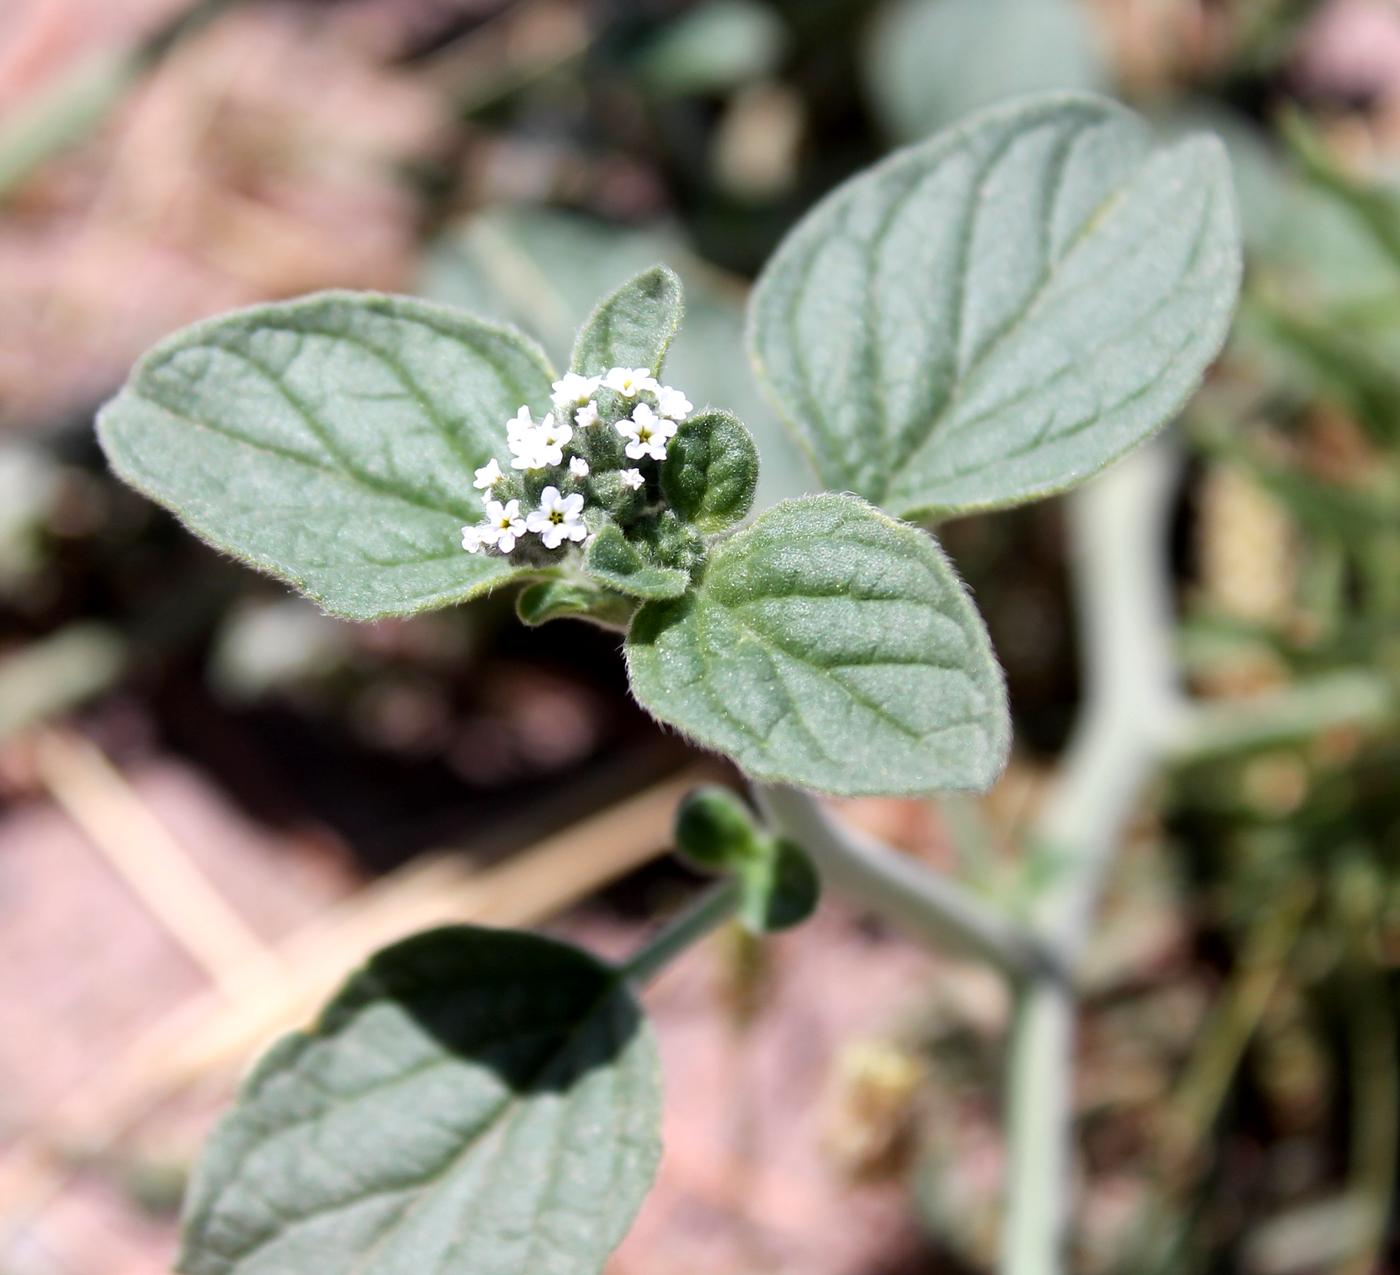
[633, 326]
[983, 319]
[615, 562]
[711, 471]
[472, 1101]
[997, 313]
[829, 646]
[331, 442]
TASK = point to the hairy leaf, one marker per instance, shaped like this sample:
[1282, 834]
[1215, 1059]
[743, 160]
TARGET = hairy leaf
[995, 314]
[829, 646]
[547, 600]
[474, 1100]
[632, 327]
[613, 560]
[331, 442]
[710, 471]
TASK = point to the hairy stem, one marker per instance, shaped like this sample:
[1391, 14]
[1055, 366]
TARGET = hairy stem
[1118, 536]
[928, 904]
[711, 910]
[1039, 1110]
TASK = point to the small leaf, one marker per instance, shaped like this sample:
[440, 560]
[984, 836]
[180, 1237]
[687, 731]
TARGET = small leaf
[832, 647]
[633, 326]
[779, 888]
[710, 471]
[997, 313]
[614, 561]
[547, 600]
[331, 442]
[715, 831]
[473, 1100]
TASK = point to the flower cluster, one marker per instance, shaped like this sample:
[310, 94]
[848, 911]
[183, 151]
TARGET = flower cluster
[587, 451]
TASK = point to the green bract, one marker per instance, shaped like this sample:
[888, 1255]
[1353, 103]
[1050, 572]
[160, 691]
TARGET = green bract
[995, 314]
[832, 647]
[331, 442]
[614, 561]
[711, 471]
[633, 327]
[473, 1100]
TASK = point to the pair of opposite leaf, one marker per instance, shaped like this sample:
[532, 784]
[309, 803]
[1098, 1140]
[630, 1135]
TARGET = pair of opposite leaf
[983, 319]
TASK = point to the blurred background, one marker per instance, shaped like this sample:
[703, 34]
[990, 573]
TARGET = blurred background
[214, 800]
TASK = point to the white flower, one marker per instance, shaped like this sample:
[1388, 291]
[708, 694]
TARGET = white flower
[503, 525]
[488, 475]
[578, 467]
[630, 381]
[587, 415]
[558, 518]
[632, 478]
[672, 404]
[522, 436]
[551, 439]
[573, 390]
[525, 451]
[472, 539]
[648, 433]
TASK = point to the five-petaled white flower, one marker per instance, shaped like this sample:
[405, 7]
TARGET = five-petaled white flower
[558, 518]
[647, 432]
[573, 390]
[587, 415]
[503, 525]
[551, 438]
[488, 475]
[578, 467]
[630, 381]
[632, 478]
[672, 404]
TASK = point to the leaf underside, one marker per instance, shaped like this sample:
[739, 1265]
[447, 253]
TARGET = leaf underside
[829, 646]
[473, 1101]
[331, 442]
[995, 314]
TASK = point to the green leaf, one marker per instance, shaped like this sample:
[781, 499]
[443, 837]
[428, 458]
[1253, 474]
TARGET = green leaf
[711, 471]
[633, 326]
[331, 441]
[779, 888]
[473, 1100]
[613, 560]
[547, 600]
[714, 829]
[996, 314]
[832, 647]
[931, 62]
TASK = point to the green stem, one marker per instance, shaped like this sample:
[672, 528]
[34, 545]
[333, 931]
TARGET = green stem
[715, 906]
[1118, 533]
[930, 905]
[1039, 1129]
